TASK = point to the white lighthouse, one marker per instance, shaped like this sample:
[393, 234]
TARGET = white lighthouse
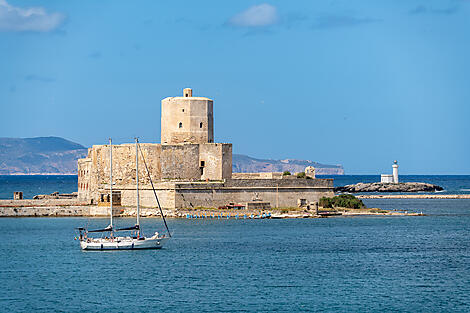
[395, 171]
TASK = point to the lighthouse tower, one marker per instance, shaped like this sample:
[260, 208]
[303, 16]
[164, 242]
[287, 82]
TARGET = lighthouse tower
[395, 172]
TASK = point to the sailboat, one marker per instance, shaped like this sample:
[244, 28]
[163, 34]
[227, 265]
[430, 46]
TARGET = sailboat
[136, 240]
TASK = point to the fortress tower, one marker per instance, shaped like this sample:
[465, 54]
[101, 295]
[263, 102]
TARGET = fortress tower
[187, 119]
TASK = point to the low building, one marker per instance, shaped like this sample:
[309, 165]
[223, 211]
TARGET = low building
[188, 169]
[387, 178]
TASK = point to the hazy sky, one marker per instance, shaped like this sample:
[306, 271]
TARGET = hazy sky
[358, 83]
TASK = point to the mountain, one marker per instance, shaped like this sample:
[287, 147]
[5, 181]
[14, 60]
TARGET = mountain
[40, 155]
[245, 164]
[55, 155]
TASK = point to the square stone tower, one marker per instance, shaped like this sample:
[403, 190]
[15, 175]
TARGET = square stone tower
[187, 119]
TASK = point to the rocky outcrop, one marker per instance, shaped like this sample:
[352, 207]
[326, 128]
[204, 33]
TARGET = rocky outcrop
[388, 187]
[56, 195]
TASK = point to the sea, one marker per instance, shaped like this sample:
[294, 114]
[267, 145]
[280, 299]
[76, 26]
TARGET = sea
[340, 264]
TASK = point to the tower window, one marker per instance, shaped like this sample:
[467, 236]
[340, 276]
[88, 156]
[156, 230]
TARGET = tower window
[203, 163]
[180, 125]
[183, 110]
[200, 125]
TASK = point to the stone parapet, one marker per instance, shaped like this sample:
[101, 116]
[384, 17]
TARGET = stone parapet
[40, 203]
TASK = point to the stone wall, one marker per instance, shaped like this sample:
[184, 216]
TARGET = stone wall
[215, 161]
[226, 160]
[40, 203]
[280, 193]
[84, 179]
[44, 211]
[165, 193]
[179, 162]
[261, 175]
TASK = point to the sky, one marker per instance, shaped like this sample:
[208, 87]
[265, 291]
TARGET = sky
[358, 83]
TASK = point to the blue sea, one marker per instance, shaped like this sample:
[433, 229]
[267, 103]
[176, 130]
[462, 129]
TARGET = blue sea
[353, 264]
[32, 185]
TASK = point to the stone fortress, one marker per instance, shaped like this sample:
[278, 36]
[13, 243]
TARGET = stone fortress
[188, 169]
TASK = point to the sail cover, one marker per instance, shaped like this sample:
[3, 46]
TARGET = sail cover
[135, 227]
[108, 228]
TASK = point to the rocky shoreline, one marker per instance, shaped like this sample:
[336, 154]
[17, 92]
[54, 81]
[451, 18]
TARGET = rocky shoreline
[389, 187]
[70, 208]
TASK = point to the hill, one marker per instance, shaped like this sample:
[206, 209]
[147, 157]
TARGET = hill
[245, 164]
[40, 155]
[55, 155]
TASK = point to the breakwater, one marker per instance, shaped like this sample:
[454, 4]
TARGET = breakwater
[73, 208]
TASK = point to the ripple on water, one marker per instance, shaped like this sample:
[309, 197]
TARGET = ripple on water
[338, 264]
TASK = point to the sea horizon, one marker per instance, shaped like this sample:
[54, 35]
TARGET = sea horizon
[32, 185]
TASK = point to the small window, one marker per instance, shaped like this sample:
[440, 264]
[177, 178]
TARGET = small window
[200, 125]
[180, 125]
[182, 110]
[203, 163]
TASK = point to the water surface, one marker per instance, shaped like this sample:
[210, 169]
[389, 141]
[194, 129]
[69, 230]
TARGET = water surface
[361, 264]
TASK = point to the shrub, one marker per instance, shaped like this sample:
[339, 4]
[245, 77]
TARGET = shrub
[344, 201]
[286, 173]
[301, 175]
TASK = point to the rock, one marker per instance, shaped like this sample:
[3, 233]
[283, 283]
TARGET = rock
[389, 187]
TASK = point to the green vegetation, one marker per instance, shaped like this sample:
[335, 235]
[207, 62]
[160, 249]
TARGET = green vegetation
[301, 175]
[343, 201]
[286, 173]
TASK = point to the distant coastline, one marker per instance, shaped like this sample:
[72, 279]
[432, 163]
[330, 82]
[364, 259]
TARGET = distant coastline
[58, 156]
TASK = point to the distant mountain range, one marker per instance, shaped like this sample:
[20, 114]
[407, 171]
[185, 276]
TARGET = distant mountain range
[245, 164]
[55, 155]
[40, 155]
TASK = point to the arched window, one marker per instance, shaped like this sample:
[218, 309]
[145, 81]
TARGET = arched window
[180, 125]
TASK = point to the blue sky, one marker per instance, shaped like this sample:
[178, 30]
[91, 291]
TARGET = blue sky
[358, 83]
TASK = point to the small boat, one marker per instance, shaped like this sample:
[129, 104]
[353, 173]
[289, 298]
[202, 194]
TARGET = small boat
[136, 240]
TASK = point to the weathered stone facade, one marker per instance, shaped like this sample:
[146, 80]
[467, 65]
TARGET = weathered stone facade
[178, 162]
[188, 169]
[187, 119]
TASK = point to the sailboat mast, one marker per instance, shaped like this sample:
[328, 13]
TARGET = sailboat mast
[137, 181]
[111, 181]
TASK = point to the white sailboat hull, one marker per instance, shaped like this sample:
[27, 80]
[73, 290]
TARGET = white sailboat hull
[123, 243]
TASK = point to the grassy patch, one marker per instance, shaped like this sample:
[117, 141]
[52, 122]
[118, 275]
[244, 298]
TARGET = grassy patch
[344, 201]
